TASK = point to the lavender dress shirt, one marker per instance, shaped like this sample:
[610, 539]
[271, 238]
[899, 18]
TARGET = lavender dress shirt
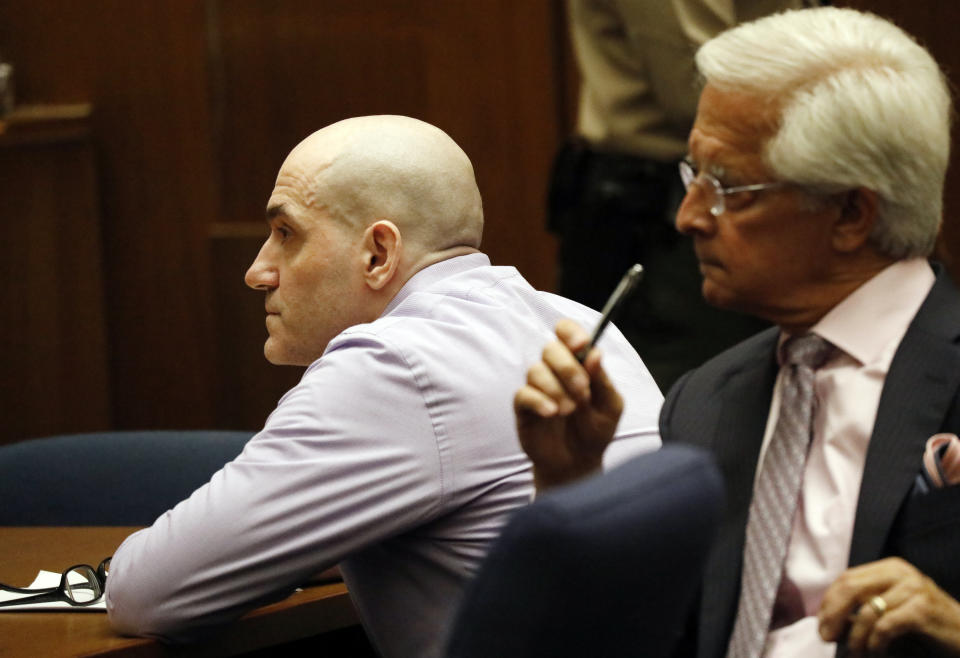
[396, 456]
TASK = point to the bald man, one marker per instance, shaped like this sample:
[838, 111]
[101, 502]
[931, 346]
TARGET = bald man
[396, 455]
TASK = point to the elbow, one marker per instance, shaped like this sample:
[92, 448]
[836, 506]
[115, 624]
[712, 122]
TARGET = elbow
[134, 613]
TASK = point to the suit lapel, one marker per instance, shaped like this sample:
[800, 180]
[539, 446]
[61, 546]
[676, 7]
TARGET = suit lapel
[920, 386]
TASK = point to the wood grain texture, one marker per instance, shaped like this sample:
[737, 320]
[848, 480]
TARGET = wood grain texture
[484, 72]
[198, 101]
[53, 340]
[313, 611]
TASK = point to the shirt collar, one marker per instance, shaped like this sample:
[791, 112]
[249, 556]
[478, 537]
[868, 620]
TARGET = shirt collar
[879, 311]
[431, 274]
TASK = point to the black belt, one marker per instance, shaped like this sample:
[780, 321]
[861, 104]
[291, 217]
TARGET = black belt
[580, 170]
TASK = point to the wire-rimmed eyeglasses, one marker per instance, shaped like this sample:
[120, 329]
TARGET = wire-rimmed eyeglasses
[714, 190]
[80, 585]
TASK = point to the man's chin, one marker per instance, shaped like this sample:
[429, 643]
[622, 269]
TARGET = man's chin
[279, 356]
[273, 358]
[275, 355]
[718, 296]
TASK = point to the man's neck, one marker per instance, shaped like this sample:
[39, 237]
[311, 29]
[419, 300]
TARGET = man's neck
[424, 261]
[825, 295]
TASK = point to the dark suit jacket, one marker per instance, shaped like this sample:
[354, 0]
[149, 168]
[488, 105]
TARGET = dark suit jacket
[723, 406]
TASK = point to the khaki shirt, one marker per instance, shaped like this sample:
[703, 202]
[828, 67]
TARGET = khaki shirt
[640, 86]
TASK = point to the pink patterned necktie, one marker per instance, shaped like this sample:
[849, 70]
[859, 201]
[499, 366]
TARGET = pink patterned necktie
[775, 497]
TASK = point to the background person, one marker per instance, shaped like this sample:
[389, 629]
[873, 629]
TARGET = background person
[615, 190]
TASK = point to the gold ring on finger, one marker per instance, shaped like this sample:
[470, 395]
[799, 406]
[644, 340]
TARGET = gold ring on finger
[878, 604]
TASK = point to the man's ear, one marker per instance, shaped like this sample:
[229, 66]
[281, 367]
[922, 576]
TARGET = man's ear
[858, 216]
[382, 246]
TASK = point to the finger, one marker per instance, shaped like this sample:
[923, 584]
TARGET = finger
[879, 617]
[838, 608]
[861, 627]
[568, 371]
[894, 623]
[531, 401]
[835, 619]
[544, 380]
[852, 588]
[604, 394]
[572, 335]
[909, 608]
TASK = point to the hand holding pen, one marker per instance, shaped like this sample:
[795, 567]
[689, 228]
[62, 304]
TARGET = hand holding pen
[626, 286]
[568, 410]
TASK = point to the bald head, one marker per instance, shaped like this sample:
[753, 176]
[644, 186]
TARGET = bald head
[358, 208]
[411, 173]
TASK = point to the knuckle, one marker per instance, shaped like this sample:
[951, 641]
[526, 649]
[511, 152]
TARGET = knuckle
[535, 373]
[842, 587]
[567, 369]
[522, 397]
[549, 350]
[901, 565]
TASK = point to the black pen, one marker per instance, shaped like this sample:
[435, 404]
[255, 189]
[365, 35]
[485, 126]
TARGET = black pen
[627, 284]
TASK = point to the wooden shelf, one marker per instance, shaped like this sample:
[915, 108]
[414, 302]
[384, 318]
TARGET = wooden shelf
[44, 124]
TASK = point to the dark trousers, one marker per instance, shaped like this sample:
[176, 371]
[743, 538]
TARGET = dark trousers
[613, 210]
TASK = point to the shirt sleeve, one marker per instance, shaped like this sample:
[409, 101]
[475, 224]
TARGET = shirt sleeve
[348, 458]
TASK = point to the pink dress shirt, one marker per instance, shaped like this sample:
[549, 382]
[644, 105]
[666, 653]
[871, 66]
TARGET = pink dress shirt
[866, 328]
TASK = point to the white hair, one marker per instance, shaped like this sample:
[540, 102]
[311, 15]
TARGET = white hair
[861, 103]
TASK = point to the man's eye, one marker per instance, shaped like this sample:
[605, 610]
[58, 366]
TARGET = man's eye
[737, 200]
[283, 232]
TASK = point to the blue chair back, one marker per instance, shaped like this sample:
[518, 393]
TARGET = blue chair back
[606, 567]
[111, 478]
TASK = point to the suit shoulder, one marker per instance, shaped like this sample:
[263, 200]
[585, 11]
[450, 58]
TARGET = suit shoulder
[758, 347]
[939, 315]
[691, 400]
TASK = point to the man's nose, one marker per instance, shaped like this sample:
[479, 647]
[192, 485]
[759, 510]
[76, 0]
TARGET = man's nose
[693, 215]
[262, 274]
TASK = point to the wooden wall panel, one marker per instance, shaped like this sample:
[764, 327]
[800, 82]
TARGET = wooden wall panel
[196, 104]
[53, 351]
[567, 75]
[933, 23]
[49, 43]
[482, 71]
[159, 192]
[143, 66]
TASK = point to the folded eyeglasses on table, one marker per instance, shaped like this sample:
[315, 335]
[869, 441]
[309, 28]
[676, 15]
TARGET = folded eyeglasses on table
[80, 585]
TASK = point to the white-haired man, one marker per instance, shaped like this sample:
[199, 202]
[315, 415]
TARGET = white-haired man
[396, 455]
[814, 184]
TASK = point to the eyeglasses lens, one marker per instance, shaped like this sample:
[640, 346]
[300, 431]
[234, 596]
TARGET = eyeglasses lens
[714, 195]
[710, 186]
[81, 585]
